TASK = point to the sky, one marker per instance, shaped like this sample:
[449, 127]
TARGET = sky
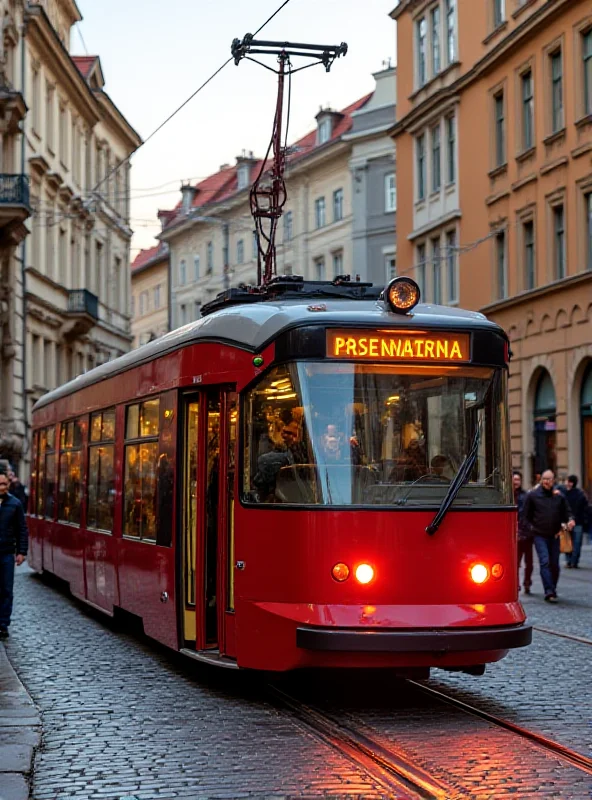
[155, 59]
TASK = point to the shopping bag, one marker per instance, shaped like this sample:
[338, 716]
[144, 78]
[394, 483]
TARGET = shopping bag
[565, 543]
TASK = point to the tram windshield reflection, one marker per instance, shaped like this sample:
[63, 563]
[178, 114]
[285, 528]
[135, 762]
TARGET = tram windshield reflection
[343, 434]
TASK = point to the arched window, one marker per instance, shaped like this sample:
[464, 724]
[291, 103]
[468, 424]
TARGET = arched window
[545, 426]
[586, 420]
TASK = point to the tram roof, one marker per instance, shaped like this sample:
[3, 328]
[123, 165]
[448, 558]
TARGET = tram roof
[253, 326]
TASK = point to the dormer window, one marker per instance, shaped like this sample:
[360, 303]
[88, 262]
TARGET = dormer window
[243, 175]
[324, 130]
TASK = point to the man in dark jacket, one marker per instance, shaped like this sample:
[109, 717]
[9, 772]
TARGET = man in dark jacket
[546, 510]
[17, 489]
[13, 549]
[525, 540]
[578, 503]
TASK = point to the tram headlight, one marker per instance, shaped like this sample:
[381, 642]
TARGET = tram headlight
[402, 295]
[340, 572]
[364, 573]
[479, 573]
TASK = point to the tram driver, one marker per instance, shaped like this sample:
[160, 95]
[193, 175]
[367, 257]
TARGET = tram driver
[290, 451]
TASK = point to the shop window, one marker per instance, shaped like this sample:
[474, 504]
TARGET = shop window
[46, 474]
[101, 471]
[586, 421]
[545, 425]
[70, 477]
[141, 471]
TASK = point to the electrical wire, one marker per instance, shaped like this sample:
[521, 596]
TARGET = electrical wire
[177, 110]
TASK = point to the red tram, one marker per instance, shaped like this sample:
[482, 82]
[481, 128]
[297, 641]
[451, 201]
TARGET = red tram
[311, 475]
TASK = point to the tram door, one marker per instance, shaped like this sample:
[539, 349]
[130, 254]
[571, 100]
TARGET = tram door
[208, 513]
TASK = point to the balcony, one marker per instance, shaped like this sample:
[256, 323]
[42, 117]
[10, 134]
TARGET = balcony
[15, 207]
[82, 313]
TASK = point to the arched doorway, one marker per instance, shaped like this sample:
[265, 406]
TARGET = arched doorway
[545, 426]
[586, 420]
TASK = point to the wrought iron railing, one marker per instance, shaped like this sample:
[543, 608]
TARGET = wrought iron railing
[14, 190]
[81, 301]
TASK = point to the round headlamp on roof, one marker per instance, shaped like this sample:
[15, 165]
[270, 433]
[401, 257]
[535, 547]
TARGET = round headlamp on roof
[402, 295]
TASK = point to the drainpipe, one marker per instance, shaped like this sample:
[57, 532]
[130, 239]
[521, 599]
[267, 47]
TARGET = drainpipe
[24, 255]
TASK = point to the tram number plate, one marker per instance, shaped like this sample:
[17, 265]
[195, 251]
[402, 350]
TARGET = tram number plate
[398, 346]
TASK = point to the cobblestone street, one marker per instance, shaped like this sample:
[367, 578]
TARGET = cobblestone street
[125, 719]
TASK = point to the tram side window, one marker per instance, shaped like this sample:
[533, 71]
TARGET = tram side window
[70, 478]
[101, 473]
[141, 471]
[46, 486]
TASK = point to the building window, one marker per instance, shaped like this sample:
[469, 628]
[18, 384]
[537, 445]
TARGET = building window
[320, 212]
[527, 111]
[35, 105]
[141, 470]
[70, 478]
[420, 268]
[182, 272]
[451, 150]
[288, 226]
[157, 296]
[500, 130]
[196, 309]
[501, 265]
[390, 193]
[436, 161]
[210, 257]
[338, 205]
[242, 176]
[451, 267]
[50, 117]
[240, 251]
[499, 12]
[451, 31]
[324, 130]
[143, 303]
[556, 91]
[588, 206]
[63, 134]
[319, 268]
[183, 314]
[337, 264]
[255, 245]
[421, 166]
[559, 241]
[390, 267]
[529, 254]
[101, 471]
[587, 58]
[436, 272]
[196, 267]
[436, 59]
[421, 51]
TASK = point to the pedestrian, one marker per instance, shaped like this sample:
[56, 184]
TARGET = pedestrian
[17, 489]
[525, 541]
[13, 549]
[546, 510]
[578, 503]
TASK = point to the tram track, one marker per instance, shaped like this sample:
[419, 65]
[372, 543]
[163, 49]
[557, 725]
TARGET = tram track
[390, 767]
[571, 636]
[573, 757]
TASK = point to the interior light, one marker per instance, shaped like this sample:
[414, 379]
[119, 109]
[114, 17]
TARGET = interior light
[364, 573]
[479, 573]
[340, 572]
[402, 295]
[497, 571]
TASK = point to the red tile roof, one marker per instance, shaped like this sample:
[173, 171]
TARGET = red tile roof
[151, 255]
[84, 64]
[223, 184]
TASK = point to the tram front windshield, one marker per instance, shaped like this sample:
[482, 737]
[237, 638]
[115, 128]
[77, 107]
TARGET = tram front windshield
[374, 435]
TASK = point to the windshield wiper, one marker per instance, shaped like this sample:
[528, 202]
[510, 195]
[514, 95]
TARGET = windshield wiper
[465, 469]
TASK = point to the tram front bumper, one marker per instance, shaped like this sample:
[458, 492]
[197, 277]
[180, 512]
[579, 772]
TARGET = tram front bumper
[417, 641]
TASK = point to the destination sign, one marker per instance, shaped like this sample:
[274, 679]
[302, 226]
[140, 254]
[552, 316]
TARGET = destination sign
[398, 346]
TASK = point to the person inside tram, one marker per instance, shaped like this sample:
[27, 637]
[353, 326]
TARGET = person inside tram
[291, 451]
[438, 465]
[411, 465]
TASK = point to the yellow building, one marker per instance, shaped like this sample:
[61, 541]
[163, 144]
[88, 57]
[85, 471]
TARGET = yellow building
[150, 288]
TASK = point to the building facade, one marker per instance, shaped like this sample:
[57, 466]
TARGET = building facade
[494, 143]
[150, 289]
[71, 284]
[332, 223]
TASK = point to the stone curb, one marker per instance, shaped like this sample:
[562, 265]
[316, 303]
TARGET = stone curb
[20, 733]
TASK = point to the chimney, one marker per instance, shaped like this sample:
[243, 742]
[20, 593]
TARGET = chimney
[188, 193]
